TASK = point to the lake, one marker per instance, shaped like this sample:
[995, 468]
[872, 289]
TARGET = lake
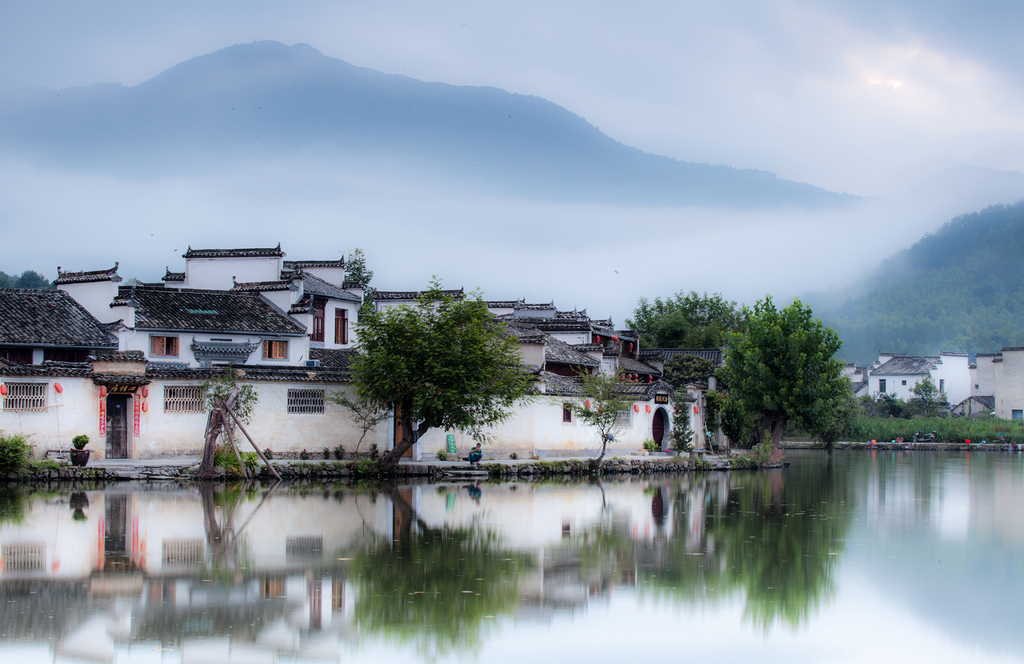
[862, 557]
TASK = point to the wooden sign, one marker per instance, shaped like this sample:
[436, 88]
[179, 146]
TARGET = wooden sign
[122, 388]
[451, 444]
[661, 398]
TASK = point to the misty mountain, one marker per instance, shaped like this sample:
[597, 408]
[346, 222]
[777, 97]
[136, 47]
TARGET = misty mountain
[267, 101]
[958, 289]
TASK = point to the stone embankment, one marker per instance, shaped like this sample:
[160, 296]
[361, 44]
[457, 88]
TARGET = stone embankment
[920, 447]
[155, 470]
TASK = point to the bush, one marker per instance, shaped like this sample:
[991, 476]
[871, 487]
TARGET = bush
[947, 430]
[14, 452]
[442, 455]
[269, 453]
[304, 455]
[339, 452]
[80, 441]
[374, 451]
[651, 446]
[251, 461]
[327, 453]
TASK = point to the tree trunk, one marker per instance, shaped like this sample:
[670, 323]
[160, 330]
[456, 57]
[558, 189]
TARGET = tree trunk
[409, 436]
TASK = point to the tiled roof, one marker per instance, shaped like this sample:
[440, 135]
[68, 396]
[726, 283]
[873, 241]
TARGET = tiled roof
[629, 365]
[560, 352]
[571, 386]
[83, 277]
[255, 252]
[537, 306]
[48, 369]
[261, 286]
[713, 355]
[583, 348]
[412, 295]
[206, 310]
[120, 379]
[550, 324]
[572, 315]
[527, 334]
[173, 276]
[119, 356]
[339, 359]
[902, 365]
[48, 317]
[255, 373]
[298, 265]
[502, 304]
[352, 284]
[318, 286]
[949, 354]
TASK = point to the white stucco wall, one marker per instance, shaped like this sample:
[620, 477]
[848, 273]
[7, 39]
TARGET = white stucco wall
[1009, 383]
[96, 297]
[983, 378]
[332, 275]
[72, 412]
[900, 385]
[955, 371]
[217, 273]
[298, 347]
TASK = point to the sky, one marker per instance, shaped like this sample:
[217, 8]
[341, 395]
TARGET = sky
[875, 99]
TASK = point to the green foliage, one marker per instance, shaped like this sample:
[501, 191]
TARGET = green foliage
[442, 455]
[339, 452]
[251, 461]
[947, 429]
[682, 433]
[445, 363]
[760, 456]
[600, 403]
[219, 389]
[651, 446]
[845, 413]
[927, 400]
[702, 464]
[80, 441]
[28, 279]
[682, 370]
[364, 413]
[783, 368]
[268, 453]
[958, 289]
[685, 321]
[14, 452]
[355, 268]
[304, 455]
[14, 502]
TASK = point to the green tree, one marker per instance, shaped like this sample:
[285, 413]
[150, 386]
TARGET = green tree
[783, 368]
[846, 412]
[356, 270]
[684, 369]
[444, 363]
[685, 320]
[601, 404]
[927, 399]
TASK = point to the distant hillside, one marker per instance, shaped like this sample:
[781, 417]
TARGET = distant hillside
[270, 100]
[958, 289]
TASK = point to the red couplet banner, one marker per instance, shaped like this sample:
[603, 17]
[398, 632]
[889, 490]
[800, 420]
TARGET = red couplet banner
[137, 406]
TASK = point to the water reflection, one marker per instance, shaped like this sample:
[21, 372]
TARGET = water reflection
[276, 573]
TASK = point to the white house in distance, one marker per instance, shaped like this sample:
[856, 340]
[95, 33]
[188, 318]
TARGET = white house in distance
[897, 374]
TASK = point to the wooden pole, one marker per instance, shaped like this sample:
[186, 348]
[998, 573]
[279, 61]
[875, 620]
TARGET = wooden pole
[251, 441]
[231, 439]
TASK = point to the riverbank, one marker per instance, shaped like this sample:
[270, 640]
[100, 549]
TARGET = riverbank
[922, 447]
[183, 469]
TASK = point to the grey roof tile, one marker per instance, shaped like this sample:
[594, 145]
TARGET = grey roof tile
[84, 277]
[206, 310]
[253, 252]
[48, 317]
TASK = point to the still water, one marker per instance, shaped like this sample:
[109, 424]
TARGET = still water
[865, 557]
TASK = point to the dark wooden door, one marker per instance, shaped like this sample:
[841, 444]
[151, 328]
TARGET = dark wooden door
[658, 427]
[117, 426]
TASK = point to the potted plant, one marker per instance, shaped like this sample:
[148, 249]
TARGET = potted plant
[80, 455]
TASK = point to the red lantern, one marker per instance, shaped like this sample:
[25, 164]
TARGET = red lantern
[614, 338]
[103, 391]
[650, 379]
[636, 408]
[145, 391]
[3, 389]
[58, 388]
[648, 408]
[597, 338]
[629, 346]
[587, 403]
[145, 406]
[696, 410]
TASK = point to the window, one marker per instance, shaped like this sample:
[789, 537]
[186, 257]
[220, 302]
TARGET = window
[25, 396]
[624, 418]
[904, 382]
[23, 557]
[275, 350]
[17, 355]
[184, 552]
[184, 399]
[306, 402]
[881, 385]
[341, 326]
[567, 412]
[1017, 414]
[319, 304]
[303, 548]
[977, 387]
[163, 346]
[942, 385]
[64, 355]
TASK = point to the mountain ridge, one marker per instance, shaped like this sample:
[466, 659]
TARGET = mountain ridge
[267, 99]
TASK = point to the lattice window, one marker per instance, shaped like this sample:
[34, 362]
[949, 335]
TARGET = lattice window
[23, 557]
[624, 419]
[306, 402]
[25, 396]
[303, 547]
[184, 399]
[183, 552]
[275, 350]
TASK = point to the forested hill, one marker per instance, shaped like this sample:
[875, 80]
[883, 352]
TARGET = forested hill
[958, 289]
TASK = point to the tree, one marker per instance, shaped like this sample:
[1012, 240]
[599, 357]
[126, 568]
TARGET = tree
[684, 369]
[223, 393]
[682, 434]
[685, 321]
[927, 399]
[783, 368]
[601, 402]
[444, 363]
[356, 270]
[847, 410]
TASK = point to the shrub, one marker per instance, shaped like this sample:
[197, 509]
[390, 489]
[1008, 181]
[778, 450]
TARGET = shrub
[80, 441]
[269, 453]
[251, 461]
[513, 456]
[374, 451]
[442, 455]
[304, 455]
[339, 452]
[14, 452]
[327, 453]
[651, 446]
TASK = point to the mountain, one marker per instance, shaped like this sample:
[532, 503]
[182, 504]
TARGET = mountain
[267, 100]
[958, 289]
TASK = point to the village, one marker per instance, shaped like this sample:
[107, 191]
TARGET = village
[125, 364]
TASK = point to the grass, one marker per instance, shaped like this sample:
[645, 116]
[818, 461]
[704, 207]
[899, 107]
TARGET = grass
[947, 430]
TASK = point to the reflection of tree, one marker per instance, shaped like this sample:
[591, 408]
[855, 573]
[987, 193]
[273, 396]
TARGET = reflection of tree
[13, 501]
[222, 536]
[435, 586]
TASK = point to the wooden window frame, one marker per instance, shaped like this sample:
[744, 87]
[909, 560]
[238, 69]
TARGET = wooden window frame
[160, 346]
[319, 320]
[275, 349]
[341, 326]
[566, 413]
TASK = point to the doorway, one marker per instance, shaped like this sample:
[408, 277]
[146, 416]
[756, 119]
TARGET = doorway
[117, 426]
[658, 427]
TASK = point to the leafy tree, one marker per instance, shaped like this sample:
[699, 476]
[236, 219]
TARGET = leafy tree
[846, 412]
[356, 270]
[444, 363]
[684, 369]
[927, 399]
[28, 279]
[889, 405]
[601, 402]
[783, 367]
[685, 321]
[682, 434]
